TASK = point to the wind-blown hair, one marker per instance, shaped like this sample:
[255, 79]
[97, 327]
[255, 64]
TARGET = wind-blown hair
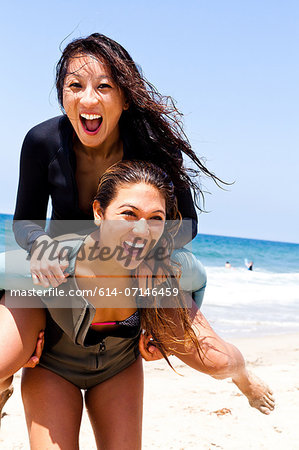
[155, 320]
[152, 123]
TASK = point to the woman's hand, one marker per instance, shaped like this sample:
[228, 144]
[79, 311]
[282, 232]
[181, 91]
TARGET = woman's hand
[34, 360]
[48, 262]
[148, 351]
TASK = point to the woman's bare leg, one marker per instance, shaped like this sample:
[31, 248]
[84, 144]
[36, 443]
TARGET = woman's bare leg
[115, 409]
[53, 408]
[19, 331]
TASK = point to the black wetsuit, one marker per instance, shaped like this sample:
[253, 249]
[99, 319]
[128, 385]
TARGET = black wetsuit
[47, 169]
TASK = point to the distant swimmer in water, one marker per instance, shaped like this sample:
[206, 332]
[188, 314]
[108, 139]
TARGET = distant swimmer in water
[249, 264]
[227, 265]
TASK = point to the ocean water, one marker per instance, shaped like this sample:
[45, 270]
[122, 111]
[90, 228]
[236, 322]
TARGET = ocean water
[268, 256]
[239, 302]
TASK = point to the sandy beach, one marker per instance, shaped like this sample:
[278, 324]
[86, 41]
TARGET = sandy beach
[194, 411]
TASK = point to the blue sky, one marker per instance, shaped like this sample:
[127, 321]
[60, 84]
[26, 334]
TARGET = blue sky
[231, 66]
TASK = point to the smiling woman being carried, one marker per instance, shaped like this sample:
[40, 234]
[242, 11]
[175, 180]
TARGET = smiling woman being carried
[92, 344]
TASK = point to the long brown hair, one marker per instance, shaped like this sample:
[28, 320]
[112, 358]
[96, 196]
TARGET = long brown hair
[152, 124]
[155, 319]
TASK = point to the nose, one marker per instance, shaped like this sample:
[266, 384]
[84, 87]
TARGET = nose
[141, 228]
[89, 97]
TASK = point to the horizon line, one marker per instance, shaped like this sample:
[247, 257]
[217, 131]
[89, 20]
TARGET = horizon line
[211, 234]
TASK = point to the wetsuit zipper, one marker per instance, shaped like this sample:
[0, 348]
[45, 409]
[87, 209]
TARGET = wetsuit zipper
[102, 348]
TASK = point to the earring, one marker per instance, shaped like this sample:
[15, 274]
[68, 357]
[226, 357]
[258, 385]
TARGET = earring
[97, 222]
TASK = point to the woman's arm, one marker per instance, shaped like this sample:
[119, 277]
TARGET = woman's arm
[33, 192]
[216, 358]
[31, 207]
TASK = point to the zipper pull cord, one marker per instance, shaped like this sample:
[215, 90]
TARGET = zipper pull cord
[102, 346]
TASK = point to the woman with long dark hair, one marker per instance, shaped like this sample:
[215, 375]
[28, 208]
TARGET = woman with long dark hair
[110, 114]
[92, 343]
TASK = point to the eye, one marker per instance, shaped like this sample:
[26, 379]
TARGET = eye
[75, 85]
[104, 85]
[156, 218]
[128, 213]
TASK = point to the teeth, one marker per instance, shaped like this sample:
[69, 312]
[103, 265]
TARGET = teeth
[91, 116]
[135, 245]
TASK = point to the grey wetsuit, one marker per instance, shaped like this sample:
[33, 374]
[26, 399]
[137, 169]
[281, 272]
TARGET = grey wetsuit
[89, 365]
[75, 351]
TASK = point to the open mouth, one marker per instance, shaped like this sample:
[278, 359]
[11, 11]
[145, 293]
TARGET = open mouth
[91, 122]
[134, 248]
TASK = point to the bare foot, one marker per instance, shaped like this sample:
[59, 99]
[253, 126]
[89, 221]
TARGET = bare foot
[4, 396]
[258, 393]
